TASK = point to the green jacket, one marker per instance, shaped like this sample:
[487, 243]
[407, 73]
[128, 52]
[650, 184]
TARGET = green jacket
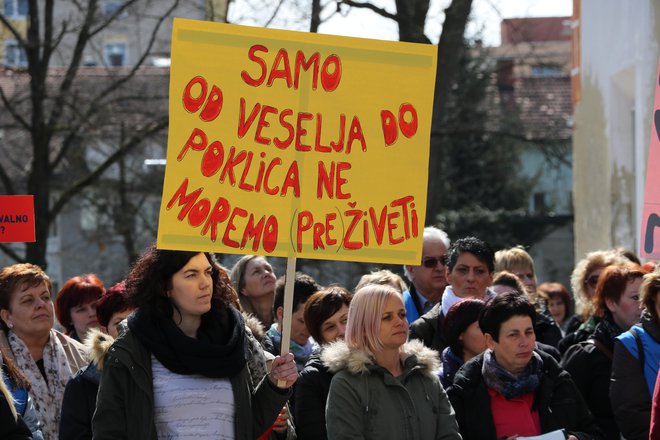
[125, 401]
[367, 402]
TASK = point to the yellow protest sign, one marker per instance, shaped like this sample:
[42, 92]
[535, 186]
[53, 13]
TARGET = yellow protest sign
[292, 144]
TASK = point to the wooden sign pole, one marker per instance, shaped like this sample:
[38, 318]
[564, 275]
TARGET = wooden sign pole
[288, 308]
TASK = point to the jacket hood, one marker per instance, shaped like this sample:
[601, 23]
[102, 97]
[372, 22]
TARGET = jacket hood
[98, 344]
[338, 356]
[254, 325]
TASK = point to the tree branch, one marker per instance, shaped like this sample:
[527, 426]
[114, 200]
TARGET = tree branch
[22, 122]
[12, 30]
[6, 180]
[77, 186]
[376, 9]
[9, 252]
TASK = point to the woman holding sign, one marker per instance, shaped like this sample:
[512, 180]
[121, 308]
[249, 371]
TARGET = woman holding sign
[181, 370]
[384, 387]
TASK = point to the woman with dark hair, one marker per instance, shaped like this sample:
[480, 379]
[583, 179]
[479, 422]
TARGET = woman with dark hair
[75, 305]
[326, 313]
[616, 304]
[79, 401]
[181, 370]
[45, 356]
[559, 306]
[465, 338]
[511, 389]
[470, 265]
[635, 365]
[384, 387]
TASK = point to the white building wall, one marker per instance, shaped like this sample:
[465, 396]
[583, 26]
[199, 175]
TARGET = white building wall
[619, 53]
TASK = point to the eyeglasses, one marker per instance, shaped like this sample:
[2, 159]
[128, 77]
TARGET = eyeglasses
[592, 280]
[432, 262]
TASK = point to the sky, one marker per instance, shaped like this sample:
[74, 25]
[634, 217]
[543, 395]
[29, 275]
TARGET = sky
[359, 22]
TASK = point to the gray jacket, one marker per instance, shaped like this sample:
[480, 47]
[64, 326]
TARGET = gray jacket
[367, 402]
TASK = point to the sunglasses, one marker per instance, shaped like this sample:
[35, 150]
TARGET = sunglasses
[432, 262]
[592, 280]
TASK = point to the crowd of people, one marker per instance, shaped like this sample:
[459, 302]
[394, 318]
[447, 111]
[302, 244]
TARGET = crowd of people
[469, 347]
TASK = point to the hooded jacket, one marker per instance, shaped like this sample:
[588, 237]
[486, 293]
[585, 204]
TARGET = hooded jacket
[79, 402]
[557, 399]
[367, 402]
[125, 401]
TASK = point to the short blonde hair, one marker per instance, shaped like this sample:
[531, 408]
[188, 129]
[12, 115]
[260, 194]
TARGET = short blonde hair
[385, 277]
[517, 256]
[364, 317]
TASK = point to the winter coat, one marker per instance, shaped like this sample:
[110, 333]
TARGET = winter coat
[428, 329]
[312, 390]
[557, 399]
[79, 401]
[590, 367]
[629, 389]
[367, 402]
[11, 424]
[125, 401]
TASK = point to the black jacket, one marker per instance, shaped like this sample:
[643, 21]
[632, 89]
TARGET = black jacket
[558, 400]
[590, 367]
[428, 329]
[311, 393]
[11, 428]
[629, 391]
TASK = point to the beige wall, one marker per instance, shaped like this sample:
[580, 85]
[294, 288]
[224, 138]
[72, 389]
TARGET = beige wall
[619, 49]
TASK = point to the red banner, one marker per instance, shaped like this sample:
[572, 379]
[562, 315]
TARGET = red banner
[16, 219]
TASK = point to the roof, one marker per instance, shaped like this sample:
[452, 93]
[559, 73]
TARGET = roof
[537, 29]
[544, 106]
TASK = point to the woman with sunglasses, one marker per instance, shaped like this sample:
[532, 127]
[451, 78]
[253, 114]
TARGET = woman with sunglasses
[583, 282]
[616, 304]
[470, 266]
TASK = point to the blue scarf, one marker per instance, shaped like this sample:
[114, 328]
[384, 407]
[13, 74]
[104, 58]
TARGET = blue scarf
[301, 353]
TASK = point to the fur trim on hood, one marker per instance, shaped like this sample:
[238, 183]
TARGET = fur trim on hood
[254, 325]
[339, 356]
[98, 343]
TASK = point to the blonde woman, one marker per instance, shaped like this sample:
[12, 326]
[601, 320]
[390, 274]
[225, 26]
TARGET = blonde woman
[384, 387]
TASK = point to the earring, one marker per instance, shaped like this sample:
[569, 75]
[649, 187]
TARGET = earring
[10, 325]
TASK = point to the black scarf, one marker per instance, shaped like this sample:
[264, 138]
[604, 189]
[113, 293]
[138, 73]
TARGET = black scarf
[218, 351]
[505, 383]
[606, 331]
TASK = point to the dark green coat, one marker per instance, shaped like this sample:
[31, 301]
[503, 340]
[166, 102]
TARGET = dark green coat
[125, 402]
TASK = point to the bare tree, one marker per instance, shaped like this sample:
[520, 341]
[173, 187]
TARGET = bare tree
[59, 113]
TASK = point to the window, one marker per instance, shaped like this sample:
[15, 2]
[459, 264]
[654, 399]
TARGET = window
[115, 54]
[110, 7]
[14, 55]
[546, 71]
[15, 9]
